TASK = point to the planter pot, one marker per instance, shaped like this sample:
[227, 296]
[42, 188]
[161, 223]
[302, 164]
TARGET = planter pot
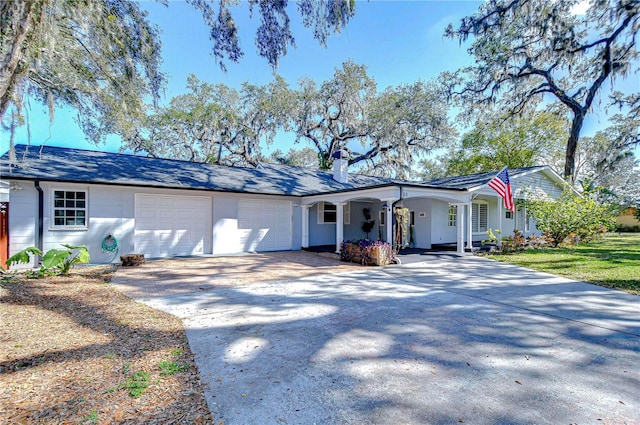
[379, 256]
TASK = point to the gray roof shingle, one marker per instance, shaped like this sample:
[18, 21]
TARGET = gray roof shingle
[474, 180]
[76, 165]
[51, 163]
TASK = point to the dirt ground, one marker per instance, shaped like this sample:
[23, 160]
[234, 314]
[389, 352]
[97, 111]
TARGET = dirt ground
[72, 347]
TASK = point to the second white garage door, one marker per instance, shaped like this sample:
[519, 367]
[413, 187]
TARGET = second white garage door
[169, 226]
[264, 225]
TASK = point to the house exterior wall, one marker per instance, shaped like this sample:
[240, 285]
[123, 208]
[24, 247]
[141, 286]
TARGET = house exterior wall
[354, 229]
[320, 233]
[23, 216]
[422, 225]
[537, 181]
[507, 225]
[111, 210]
[627, 218]
[441, 232]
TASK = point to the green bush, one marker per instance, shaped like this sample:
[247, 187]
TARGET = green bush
[572, 218]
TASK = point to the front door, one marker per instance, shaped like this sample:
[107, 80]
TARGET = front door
[4, 233]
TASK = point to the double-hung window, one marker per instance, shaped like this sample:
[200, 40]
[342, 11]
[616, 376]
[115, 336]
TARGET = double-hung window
[69, 208]
[327, 213]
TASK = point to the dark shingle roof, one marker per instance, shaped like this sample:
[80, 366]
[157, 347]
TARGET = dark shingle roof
[75, 165]
[474, 180]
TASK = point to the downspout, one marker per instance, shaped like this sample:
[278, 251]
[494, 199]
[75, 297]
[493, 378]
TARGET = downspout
[40, 234]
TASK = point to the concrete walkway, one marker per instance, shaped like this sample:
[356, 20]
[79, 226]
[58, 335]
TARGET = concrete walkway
[444, 341]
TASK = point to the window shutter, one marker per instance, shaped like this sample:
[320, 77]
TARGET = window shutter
[321, 212]
[479, 217]
[346, 213]
[475, 212]
[484, 217]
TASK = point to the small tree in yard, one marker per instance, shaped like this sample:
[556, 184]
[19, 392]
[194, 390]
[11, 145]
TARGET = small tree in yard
[572, 218]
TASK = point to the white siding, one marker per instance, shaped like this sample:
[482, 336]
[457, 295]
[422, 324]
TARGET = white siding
[538, 182]
[441, 232]
[423, 225]
[23, 217]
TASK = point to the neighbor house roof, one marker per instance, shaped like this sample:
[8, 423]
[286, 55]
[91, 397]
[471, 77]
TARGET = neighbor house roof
[58, 164]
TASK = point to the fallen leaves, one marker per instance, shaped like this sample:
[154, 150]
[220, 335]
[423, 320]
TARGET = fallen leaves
[67, 349]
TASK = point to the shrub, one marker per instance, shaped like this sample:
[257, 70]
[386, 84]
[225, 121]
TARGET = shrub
[572, 218]
[538, 241]
[513, 243]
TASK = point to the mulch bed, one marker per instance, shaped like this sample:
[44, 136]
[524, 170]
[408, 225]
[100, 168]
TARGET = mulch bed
[69, 345]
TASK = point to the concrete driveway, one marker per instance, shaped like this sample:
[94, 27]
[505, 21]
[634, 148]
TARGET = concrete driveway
[444, 341]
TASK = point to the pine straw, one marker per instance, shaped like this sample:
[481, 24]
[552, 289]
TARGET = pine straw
[67, 345]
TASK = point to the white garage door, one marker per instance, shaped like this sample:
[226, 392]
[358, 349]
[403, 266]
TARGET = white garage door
[168, 226]
[264, 225]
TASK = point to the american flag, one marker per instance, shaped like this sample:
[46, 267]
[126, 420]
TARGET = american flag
[500, 183]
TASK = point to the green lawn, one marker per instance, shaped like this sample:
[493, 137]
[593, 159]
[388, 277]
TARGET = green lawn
[613, 262]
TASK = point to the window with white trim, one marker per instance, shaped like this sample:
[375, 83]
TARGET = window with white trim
[382, 217]
[479, 217]
[69, 208]
[453, 216]
[327, 213]
[508, 214]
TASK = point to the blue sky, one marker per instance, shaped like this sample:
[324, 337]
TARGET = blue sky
[399, 41]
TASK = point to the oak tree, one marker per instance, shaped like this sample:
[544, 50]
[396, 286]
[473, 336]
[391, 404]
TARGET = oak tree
[528, 50]
[102, 57]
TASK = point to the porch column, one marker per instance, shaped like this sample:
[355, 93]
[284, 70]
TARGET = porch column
[339, 225]
[460, 226]
[470, 226]
[526, 220]
[388, 216]
[305, 225]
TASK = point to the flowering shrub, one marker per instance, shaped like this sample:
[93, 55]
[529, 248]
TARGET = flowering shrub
[366, 252]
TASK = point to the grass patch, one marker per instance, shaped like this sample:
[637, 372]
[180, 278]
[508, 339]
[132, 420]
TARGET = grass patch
[168, 368]
[613, 262]
[137, 383]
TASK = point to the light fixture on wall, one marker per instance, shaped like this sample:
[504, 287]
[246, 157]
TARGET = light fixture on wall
[15, 187]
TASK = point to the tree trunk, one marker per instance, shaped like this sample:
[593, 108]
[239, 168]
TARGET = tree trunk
[572, 146]
[17, 21]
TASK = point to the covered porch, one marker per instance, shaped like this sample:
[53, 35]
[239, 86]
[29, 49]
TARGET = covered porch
[437, 217]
